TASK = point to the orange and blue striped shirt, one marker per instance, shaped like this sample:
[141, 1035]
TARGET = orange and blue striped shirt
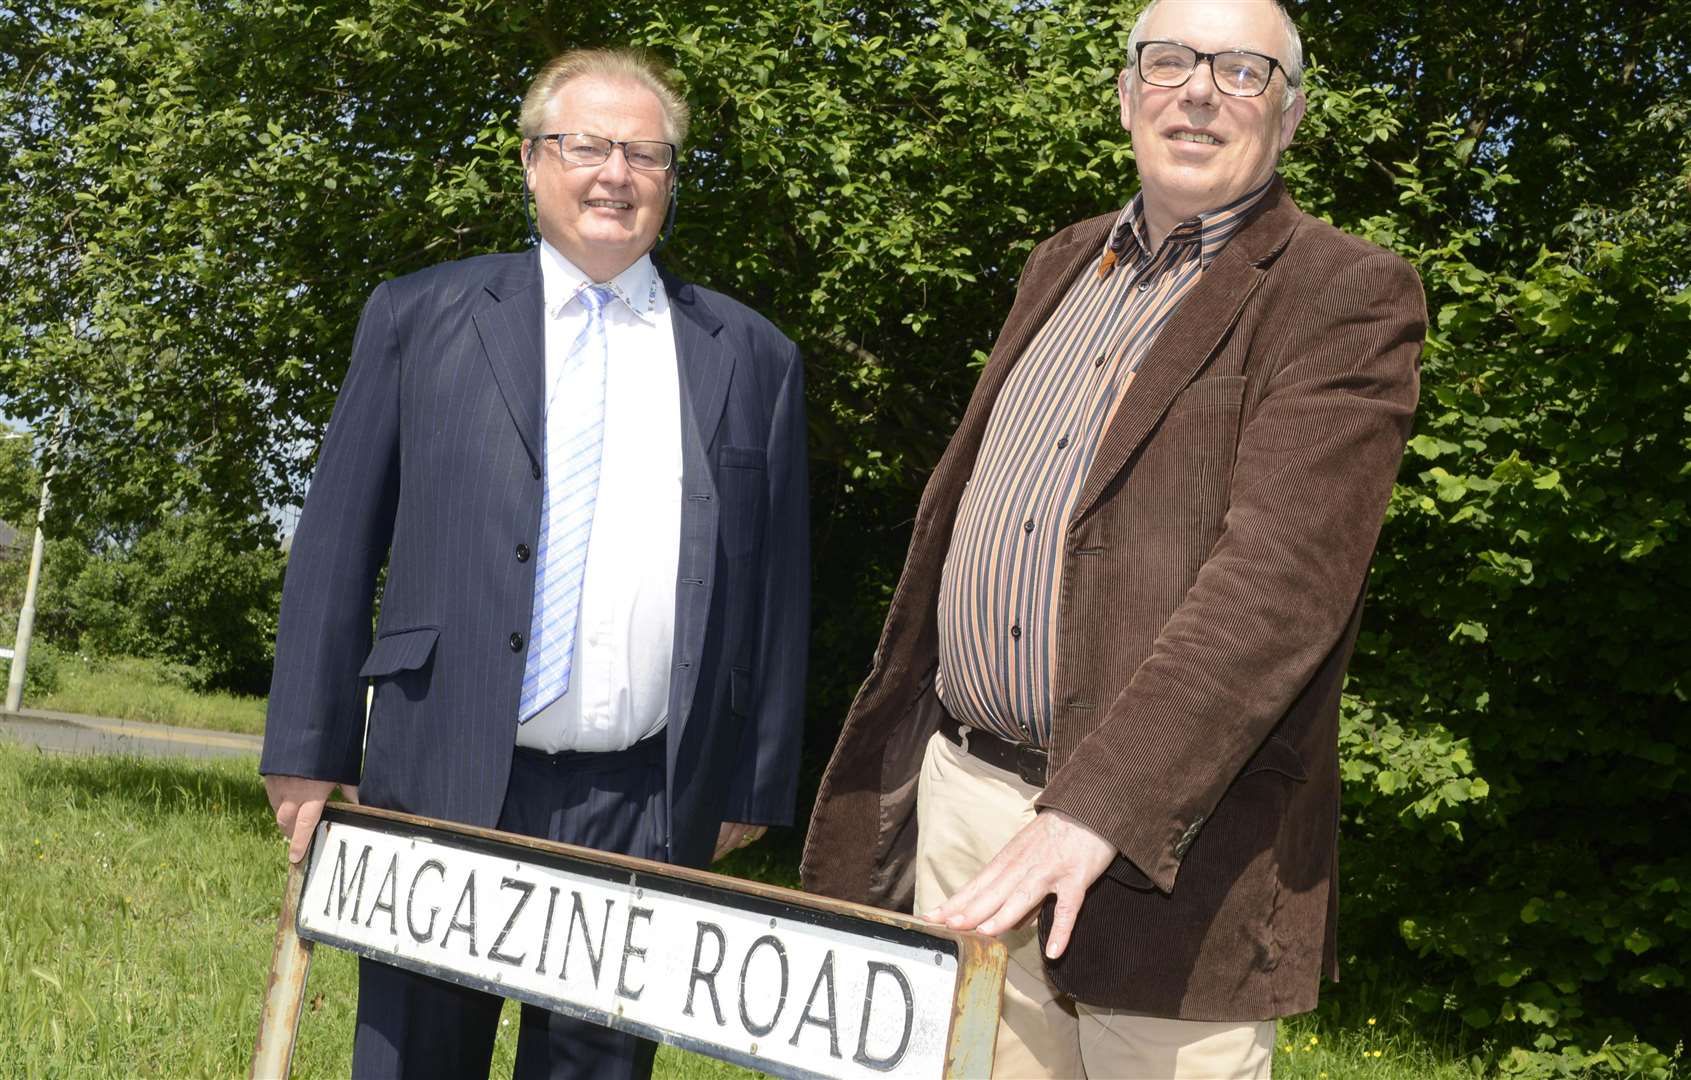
[999, 588]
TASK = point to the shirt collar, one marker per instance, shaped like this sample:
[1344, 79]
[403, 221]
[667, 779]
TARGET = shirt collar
[563, 281]
[1211, 229]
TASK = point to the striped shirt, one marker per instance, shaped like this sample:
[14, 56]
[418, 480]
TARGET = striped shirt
[999, 588]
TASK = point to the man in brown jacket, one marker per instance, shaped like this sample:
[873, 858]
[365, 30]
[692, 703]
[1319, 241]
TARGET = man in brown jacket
[1108, 684]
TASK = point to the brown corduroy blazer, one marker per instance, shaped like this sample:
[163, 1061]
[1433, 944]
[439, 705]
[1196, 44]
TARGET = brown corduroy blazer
[1212, 587]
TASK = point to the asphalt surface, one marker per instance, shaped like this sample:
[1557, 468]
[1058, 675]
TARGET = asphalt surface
[70, 733]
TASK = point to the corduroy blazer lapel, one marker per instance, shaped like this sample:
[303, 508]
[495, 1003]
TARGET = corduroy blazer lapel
[1191, 336]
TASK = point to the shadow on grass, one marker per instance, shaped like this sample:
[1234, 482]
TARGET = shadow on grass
[152, 786]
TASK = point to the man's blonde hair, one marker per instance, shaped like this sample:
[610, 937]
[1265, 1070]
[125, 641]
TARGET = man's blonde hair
[627, 65]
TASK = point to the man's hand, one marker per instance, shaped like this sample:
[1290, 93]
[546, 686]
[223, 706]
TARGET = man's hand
[735, 834]
[1052, 854]
[298, 803]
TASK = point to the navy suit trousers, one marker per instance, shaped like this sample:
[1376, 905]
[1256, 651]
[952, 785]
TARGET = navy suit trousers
[412, 1026]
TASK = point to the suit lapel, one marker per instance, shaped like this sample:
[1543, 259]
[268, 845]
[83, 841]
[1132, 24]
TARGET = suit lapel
[512, 332]
[707, 366]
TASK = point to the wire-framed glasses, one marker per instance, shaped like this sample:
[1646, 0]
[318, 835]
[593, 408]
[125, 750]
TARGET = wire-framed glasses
[579, 148]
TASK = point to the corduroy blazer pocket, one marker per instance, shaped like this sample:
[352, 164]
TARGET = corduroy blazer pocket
[1217, 391]
[1277, 755]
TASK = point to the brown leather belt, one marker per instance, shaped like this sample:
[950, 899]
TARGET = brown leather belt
[1029, 762]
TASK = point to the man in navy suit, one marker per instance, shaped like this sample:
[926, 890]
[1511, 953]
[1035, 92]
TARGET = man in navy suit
[587, 480]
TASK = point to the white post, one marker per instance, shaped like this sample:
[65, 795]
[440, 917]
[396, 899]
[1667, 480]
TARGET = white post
[26, 617]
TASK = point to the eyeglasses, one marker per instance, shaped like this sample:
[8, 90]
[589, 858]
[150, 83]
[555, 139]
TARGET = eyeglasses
[1237, 72]
[577, 148]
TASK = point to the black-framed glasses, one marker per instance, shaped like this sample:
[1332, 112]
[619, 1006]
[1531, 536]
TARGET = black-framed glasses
[1236, 72]
[579, 148]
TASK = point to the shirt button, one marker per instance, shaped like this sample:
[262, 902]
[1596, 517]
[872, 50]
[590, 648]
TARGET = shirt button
[522, 553]
[516, 642]
[1027, 526]
[1063, 443]
[1143, 285]
[1015, 631]
[1098, 362]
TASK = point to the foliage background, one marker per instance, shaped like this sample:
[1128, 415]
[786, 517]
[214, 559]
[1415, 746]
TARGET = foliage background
[195, 199]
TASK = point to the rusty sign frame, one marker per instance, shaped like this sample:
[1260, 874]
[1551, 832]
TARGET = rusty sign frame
[976, 993]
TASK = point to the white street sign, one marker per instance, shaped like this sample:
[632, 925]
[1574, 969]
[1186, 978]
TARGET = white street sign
[769, 978]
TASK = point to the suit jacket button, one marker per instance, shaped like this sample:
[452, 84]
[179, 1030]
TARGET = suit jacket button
[535, 469]
[516, 642]
[522, 553]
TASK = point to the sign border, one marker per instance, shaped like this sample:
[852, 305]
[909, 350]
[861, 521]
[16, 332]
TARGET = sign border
[980, 959]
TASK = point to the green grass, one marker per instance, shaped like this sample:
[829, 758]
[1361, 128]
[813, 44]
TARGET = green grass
[138, 904]
[127, 688]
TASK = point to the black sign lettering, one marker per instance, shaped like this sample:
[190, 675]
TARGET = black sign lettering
[493, 952]
[593, 958]
[890, 1062]
[700, 975]
[411, 900]
[629, 949]
[467, 898]
[830, 1022]
[387, 897]
[773, 942]
[347, 885]
[546, 934]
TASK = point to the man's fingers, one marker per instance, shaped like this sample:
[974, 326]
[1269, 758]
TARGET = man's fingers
[305, 823]
[1063, 916]
[729, 835]
[992, 892]
[285, 814]
[1013, 910]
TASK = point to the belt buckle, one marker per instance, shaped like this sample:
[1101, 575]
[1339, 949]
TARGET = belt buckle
[1032, 764]
[963, 737]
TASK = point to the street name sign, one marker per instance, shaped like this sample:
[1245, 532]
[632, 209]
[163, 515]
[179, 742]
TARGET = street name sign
[777, 980]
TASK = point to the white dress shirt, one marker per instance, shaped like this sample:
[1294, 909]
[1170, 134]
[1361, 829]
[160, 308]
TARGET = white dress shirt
[625, 630]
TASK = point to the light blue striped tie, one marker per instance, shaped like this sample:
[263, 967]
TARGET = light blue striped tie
[575, 438]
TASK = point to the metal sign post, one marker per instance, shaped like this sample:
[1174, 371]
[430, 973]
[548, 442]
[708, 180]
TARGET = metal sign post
[284, 991]
[777, 980]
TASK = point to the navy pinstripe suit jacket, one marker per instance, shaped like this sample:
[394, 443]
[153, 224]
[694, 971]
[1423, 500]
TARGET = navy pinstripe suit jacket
[432, 462]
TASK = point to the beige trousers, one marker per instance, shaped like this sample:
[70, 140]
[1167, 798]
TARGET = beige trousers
[966, 811]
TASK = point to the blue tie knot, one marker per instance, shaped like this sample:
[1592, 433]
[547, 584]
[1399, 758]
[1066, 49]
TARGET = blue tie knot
[595, 297]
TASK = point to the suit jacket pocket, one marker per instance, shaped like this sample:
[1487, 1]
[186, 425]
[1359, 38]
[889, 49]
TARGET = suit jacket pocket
[742, 479]
[741, 457]
[400, 650]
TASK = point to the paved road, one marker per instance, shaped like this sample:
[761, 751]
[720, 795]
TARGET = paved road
[70, 733]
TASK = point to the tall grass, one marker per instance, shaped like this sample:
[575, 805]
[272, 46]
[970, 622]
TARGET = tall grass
[138, 904]
[128, 688]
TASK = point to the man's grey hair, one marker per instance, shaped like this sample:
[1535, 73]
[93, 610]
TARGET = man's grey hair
[624, 65]
[1292, 62]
